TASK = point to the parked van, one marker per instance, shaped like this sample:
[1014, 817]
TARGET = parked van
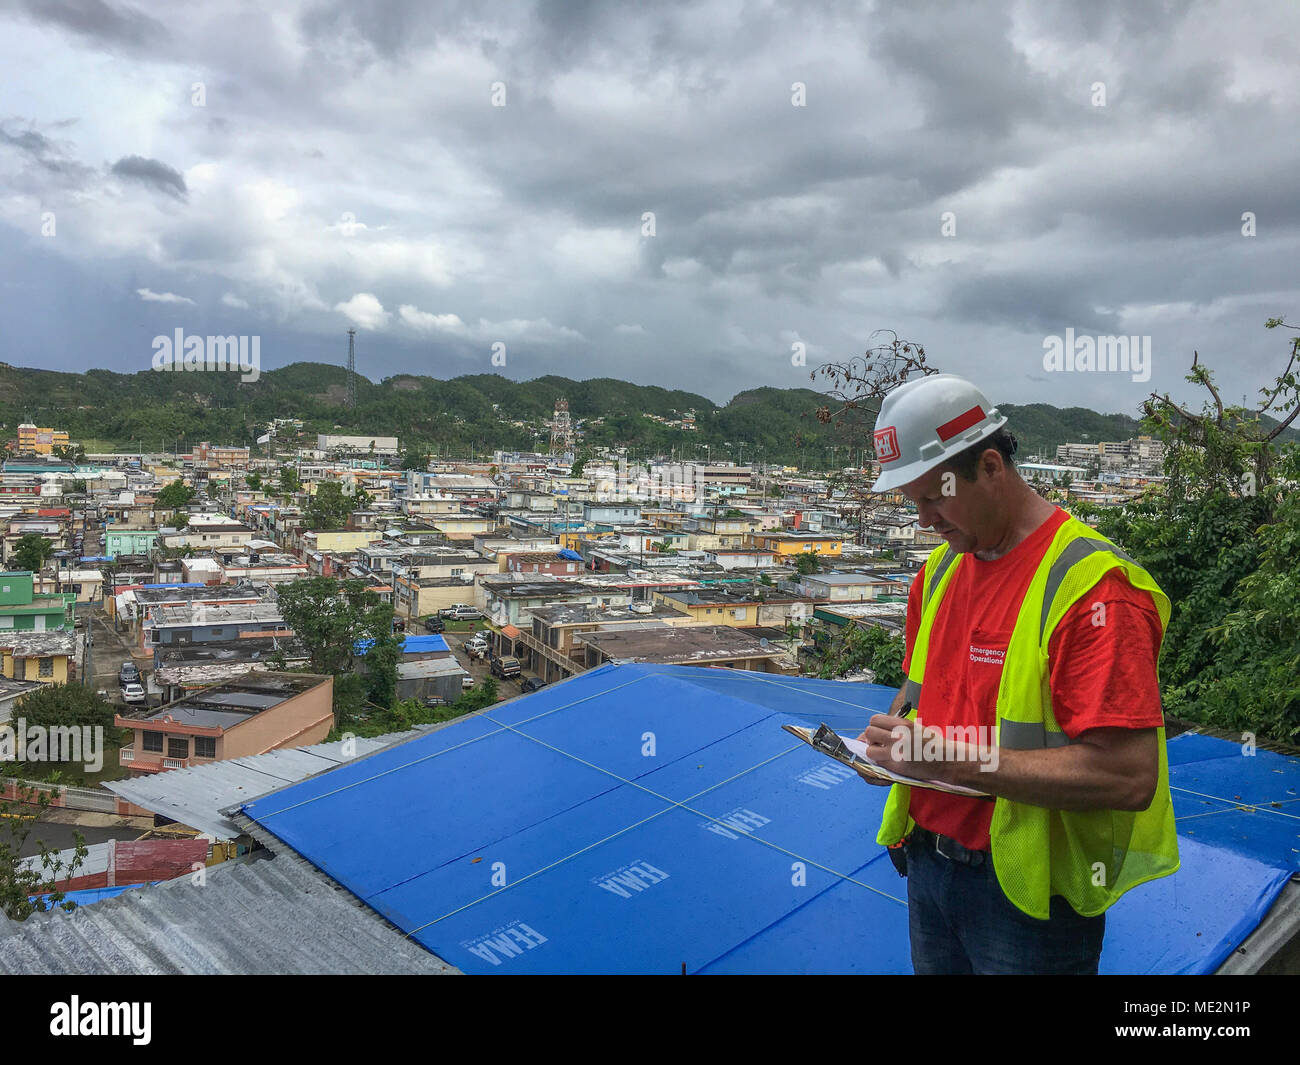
[461, 612]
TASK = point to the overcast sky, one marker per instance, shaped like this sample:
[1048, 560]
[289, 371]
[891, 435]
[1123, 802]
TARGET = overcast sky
[445, 179]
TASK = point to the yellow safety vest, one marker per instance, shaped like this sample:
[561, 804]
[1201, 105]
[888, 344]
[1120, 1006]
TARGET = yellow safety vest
[1091, 857]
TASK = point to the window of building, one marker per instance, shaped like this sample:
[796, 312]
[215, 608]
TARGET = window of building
[152, 741]
[205, 746]
[47, 667]
[178, 748]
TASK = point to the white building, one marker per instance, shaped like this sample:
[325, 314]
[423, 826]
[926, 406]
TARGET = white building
[360, 445]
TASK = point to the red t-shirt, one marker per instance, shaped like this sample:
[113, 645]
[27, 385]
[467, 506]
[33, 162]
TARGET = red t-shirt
[1102, 674]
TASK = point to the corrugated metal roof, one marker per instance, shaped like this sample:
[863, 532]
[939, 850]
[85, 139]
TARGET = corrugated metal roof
[429, 667]
[196, 796]
[264, 916]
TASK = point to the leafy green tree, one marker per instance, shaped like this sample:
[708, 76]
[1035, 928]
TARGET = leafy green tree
[20, 880]
[867, 648]
[289, 483]
[381, 669]
[76, 487]
[413, 459]
[55, 706]
[807, 562]
[349, 700]
[254, 481]
[1221, 538]
[51, 705]
[330, 507]
[176, 494]
[330, 616]
[31, 552]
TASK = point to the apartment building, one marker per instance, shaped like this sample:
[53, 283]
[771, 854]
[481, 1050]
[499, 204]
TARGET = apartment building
[257, 713]
[40, 441]
[24, 609]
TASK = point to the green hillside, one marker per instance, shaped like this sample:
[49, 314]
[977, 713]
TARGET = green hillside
[162, 411]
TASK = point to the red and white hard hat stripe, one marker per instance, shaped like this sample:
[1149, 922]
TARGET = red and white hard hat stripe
[961, 423]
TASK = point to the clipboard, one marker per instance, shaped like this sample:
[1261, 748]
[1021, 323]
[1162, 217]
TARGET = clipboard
[851, 753]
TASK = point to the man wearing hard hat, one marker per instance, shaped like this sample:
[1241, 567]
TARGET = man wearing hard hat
[1029, 631]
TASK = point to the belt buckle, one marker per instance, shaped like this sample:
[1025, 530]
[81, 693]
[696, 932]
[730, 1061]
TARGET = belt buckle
[960, 853]
[940, 840]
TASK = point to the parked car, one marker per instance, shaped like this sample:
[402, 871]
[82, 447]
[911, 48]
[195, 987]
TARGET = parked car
[531, 684]
[129, 674]
[434, 624]
[461, 612]
[133, 692]
[466, 682]
[476, 647]
[506, 666]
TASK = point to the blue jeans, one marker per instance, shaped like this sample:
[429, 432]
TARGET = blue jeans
[960, 921]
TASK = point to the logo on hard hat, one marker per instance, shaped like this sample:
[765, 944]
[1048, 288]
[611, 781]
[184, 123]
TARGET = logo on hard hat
[886, 441]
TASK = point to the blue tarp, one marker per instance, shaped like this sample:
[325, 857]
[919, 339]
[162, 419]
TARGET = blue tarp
[410, 646]
[86, 896]
[639, 818]
[569, 556]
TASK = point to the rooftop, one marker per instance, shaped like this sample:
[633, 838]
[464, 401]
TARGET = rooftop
[40, 644]
[231, 704]
[290, 919]
[846, 579]
[585, 613]
[684, 644]
[215, 613]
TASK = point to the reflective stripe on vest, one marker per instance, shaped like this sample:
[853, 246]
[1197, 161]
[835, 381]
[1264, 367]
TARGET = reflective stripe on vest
[1075, 551]
[949, 557]
[1029, 736]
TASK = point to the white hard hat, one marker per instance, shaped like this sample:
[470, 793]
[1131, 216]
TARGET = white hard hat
[927, 421]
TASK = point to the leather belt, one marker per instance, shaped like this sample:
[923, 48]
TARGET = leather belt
[947, 847]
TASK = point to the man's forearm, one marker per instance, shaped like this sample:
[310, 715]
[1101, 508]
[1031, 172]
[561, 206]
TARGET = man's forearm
[1080, 776]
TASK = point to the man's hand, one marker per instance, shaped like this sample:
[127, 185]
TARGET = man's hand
[897, 744]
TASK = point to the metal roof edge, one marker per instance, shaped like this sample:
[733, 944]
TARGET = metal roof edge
[1280, 926]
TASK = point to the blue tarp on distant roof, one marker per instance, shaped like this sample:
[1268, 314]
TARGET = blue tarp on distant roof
[639, 818]
[421, 644]
[410, 646]
[570, 556]
[86, 896]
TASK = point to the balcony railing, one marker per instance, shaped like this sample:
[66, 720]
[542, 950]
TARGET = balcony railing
[126, 755]
[551, 654]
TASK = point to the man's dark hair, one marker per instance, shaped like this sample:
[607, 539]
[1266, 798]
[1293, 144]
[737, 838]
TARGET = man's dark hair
[965, 463]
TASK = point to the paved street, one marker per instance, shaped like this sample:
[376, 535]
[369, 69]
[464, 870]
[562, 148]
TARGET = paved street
[109, 650]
